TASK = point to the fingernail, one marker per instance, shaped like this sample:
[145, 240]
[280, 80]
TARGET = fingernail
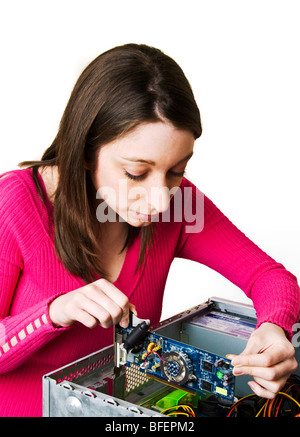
[229, 356]
[124, 323]
[133, 310]
[251, 385]
[237, 371]
[235, 362]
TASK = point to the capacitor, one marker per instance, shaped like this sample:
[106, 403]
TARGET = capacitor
[136, 336]
[227, 379]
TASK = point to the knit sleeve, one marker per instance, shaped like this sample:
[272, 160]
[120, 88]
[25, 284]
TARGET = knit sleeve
[219, 245]
[21, 334]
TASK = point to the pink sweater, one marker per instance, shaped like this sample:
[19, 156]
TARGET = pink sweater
[31, 276]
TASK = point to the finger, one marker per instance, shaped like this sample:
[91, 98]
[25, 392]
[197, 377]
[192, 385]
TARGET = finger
[271, 386]
[261, 391]
[132, 308]
[276, 353]
[120, 313]
[113, 293]
[272, 373]
[111, 299]
[84, 317]
[252, 348]
[116, 296]
[124, 322]
[254, 360]
[231, 356]
[104, 314]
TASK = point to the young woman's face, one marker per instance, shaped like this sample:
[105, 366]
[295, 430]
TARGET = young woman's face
[138, 173]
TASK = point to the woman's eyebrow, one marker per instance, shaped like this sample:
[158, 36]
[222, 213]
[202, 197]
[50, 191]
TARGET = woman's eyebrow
[133, 159]
[146, 161]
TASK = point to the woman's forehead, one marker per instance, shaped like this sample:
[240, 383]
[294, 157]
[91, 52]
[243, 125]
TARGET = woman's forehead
[148, 143]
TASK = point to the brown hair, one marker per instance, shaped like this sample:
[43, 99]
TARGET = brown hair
[121, 88]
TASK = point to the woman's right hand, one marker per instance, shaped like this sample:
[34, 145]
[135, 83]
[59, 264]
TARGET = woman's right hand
[98, 303]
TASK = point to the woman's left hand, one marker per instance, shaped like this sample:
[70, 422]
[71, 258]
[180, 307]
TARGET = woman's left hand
[268, 357]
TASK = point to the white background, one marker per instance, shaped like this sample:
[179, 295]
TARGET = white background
[242, 59]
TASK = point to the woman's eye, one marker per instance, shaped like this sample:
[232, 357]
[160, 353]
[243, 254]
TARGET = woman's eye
[134, 177]
[177, 174]
[143, 176]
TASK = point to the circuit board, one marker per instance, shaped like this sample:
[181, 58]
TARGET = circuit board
[183, 366]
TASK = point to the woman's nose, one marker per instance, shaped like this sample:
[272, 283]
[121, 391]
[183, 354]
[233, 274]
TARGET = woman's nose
[159, 198]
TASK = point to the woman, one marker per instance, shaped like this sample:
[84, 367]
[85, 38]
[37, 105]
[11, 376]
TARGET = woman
[88, 233]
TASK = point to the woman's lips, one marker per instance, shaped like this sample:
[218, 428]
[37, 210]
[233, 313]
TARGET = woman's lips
[146, 217]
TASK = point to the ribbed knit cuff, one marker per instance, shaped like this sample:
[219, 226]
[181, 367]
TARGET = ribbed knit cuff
[269, 296]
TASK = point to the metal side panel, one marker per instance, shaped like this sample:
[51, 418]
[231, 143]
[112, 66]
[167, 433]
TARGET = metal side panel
[46, 394]
[70, 400]
[67, 391]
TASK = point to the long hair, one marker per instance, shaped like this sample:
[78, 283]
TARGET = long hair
[122, 88]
